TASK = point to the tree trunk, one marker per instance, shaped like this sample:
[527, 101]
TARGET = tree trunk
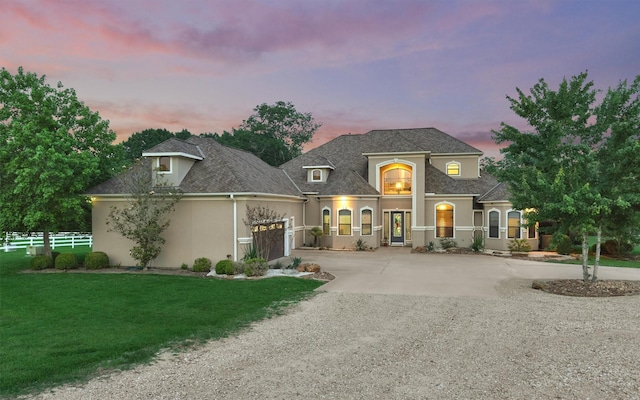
[46, 242]
[597, 261]
[585, 256]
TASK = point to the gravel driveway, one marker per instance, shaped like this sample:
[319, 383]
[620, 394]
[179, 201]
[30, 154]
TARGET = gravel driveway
[516, 344]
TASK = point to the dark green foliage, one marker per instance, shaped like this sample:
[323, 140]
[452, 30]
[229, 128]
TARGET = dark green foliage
[250, 251]
[41, 262]
[564, 244]
[53, 149]
[66, 261]
[615, 248]
[256, 267]
[224, 267]
[138, 142]
[295, 262]
[202, 264]
[96, 260]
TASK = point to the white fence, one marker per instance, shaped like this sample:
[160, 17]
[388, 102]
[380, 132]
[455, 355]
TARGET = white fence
[15, 241]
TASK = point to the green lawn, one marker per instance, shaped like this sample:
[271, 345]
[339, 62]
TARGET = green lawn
[66, 327]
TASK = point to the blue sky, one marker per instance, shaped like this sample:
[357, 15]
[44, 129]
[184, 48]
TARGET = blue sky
[355, 65]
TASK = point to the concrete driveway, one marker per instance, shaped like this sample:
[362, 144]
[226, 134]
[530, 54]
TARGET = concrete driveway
[398, 271]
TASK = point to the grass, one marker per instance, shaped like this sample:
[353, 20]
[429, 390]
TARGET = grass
[604, 262]
[63, 327]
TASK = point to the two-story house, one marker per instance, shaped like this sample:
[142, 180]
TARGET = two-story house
[401, 187]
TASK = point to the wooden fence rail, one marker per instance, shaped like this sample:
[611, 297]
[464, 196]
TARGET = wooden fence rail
[14, 241]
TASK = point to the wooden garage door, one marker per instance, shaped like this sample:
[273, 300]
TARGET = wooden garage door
[273, 234]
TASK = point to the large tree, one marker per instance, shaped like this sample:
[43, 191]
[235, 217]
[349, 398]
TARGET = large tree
[138, 142]
[269, 149]
[561, 170]
[53, 148]
[282, 122]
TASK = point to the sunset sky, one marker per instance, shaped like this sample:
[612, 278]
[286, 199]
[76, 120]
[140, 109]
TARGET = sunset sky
[354, 65]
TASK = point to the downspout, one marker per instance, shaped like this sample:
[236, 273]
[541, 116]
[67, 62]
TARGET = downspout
[235, 227]
[304, 221]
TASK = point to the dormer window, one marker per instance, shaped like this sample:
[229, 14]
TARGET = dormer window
[316, 175]
[453, 168]
[164, 164]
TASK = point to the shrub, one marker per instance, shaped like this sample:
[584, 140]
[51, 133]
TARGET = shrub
[361, 245]
[66, 261]
[615, 248]
[431, 247]
[41, 262]
[564, 245]
[202, 264]
[256, 267]
[224, 267]
[251, 251]
[238, 267]
[519, 245]
[447, 243]
[295, 261]
[96, 260]
[184, 266]
[478, 244]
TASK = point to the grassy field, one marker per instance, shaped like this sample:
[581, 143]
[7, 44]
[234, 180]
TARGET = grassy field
[64, 327]
[604, 262]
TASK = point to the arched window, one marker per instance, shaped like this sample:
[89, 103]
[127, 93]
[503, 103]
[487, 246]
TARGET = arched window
[366, 227]
[513, 225]
[316, 175]
[326, 222]
[444, 220]
[397, 180]
[453, 168]
[494, 224]
[344, 222]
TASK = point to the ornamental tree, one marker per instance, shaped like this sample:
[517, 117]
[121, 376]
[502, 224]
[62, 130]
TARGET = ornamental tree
[53, 149]
[569, 167]
[144, 216]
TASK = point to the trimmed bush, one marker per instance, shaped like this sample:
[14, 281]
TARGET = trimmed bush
[238, 267]
[202, 264]
[66, 261]
[447, 243]
[611, 247]
[224, 267]
[96, 260]
[41, 262]
[256, 267]
[565, 245]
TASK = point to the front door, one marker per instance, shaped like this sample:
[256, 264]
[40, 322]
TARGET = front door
[397, 228]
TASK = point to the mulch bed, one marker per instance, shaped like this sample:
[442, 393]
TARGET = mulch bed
[579, 288]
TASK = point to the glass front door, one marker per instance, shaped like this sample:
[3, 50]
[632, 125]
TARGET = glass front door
[397, 227]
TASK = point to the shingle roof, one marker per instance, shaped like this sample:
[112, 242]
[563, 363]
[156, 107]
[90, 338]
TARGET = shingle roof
[346, 152]
[227, 170]
[174, 145]
[222, 170]
[500, 192]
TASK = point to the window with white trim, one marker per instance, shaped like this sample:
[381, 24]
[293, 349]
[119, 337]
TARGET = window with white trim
[344, 222]
[494, 224]
[164, 164]
[444, 220]
[316, 175]
[326, 222]
[513, 225]
[366, 227]
[453, 168]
